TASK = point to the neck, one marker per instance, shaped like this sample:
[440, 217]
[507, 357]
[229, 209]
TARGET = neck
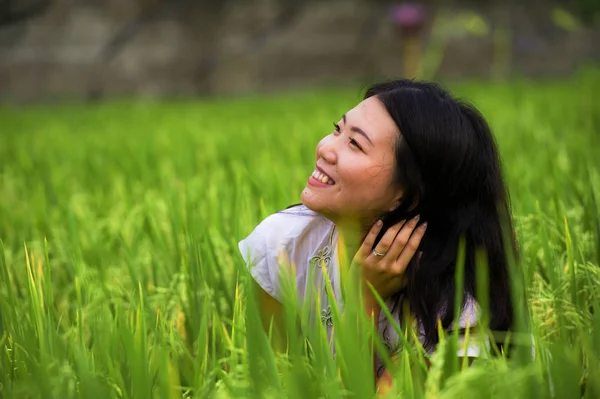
[352, 234]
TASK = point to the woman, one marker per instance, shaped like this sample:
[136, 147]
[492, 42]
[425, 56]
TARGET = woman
[417, 170]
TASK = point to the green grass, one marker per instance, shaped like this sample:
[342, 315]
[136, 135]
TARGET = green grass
[120, 274]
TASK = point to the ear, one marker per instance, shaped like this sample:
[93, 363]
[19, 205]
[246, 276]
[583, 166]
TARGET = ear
[396, 201]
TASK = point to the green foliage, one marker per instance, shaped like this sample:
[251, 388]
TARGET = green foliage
[565, 20]
[120, 274]
[588, 10]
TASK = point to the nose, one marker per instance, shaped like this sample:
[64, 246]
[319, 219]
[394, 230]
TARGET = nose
[326, 150]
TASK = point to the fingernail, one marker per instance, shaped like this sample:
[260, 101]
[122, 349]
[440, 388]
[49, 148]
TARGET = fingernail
[379, 223]
[424, 226]
[417, 217]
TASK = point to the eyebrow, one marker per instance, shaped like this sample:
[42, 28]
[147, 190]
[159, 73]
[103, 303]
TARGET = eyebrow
[357, 130]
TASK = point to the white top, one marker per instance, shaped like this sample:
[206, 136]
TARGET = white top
[307, 239]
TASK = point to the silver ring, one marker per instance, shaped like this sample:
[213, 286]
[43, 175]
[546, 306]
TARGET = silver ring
[377, 253]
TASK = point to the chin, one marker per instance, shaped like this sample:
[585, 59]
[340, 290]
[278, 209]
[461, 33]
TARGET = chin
[312, 201]
[307, 199]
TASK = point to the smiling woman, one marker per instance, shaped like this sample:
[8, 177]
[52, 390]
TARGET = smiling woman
[417, 171]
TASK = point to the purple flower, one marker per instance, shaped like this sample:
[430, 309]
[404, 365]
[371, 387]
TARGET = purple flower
[408, 16]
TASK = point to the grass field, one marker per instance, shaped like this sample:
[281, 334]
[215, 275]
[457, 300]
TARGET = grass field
[120, 274]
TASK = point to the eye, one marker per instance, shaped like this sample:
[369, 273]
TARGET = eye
[355, 144]
[337, 127]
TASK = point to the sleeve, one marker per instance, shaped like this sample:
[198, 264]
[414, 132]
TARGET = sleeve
[468, 319]
[257, 254]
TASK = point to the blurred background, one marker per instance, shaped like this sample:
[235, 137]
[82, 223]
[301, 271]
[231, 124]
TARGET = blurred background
[102, 49]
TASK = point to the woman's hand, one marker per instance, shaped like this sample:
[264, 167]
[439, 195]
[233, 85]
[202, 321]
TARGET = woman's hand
[385, 266]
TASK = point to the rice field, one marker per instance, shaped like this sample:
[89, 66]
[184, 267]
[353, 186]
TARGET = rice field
[120, 275]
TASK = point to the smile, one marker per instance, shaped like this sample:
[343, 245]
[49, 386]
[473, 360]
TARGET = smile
[320, 177]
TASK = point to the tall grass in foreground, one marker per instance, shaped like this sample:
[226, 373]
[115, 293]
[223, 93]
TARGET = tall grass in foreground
[120, 274]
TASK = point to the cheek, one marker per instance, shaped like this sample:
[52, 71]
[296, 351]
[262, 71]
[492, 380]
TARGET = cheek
[369, 187]
[368, 176]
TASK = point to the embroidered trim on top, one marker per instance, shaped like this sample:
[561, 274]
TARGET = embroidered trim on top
[323, 255]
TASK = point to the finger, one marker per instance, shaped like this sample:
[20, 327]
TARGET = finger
[383, 246]
[402, 238]
[411, 247]
[369, 240]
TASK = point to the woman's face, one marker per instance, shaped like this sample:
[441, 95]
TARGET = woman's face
[354, 169]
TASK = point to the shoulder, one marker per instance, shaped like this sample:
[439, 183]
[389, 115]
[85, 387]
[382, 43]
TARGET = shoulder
[281, 231]
[288, 221]
[288, 236]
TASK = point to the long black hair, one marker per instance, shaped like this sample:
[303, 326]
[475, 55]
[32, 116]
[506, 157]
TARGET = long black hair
[448, 167]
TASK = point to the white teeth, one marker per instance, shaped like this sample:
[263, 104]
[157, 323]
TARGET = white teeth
[321, 177]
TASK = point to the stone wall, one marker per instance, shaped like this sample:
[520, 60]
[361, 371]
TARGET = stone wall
[84, 49]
